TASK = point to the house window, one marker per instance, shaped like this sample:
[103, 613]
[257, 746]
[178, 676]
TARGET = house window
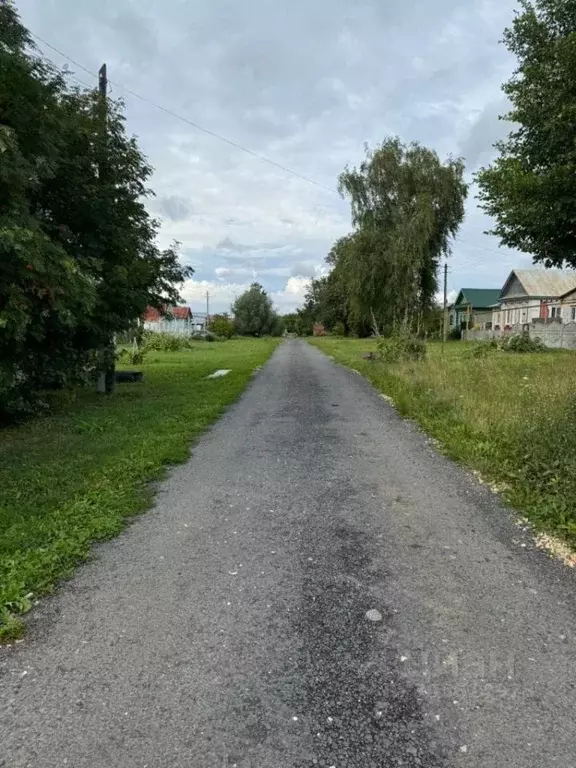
[573, 313]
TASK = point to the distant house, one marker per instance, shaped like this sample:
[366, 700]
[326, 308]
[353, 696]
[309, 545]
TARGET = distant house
[176, 320]
[153, 315]
[533, 295]
[473, 308]
[568, 304]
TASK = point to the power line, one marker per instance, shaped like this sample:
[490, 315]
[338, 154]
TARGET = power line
[197, 126]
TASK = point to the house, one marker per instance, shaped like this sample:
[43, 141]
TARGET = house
[176, 320]
[153, 315]
[473, 308]
[568, 306]
[533, 296]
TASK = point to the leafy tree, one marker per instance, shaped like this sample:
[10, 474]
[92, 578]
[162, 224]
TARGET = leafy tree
[222, 325]
[253, 313]
[78, 261]
[290, 320]
[304, 323]
[406, 206]
[325, 301]
[530, 189]
[42, 290]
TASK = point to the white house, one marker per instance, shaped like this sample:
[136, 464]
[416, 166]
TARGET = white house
[533, 294]
[569, 306]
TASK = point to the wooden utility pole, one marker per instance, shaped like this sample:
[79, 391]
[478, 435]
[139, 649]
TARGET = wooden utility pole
[207, 308]
[107, 377]
[445, 307]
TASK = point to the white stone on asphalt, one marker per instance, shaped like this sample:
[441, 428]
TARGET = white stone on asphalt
[373, 615]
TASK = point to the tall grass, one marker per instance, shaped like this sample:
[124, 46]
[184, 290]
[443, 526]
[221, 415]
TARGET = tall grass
[510, 416]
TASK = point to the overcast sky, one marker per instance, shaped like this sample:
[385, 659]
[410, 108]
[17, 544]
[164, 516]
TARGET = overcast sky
[304, 83]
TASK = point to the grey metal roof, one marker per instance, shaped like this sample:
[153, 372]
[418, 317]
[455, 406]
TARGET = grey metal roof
[545, 282]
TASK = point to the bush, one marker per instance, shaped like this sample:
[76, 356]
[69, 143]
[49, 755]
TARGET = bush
[133, 355]
[481, 348]
[455, 334]
[522, 343]
[339, 329]
[222, 325]
[164, 342]
[396, 349]
[205, 336]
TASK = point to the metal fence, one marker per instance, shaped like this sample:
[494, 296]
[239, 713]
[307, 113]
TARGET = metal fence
[553, 335]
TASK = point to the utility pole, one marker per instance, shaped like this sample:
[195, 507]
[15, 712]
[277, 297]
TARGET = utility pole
[107, 376]
[444, 313]
[207, 308]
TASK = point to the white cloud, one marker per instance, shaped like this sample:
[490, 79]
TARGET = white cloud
[223, 295]
[291, 296]
[362, 70]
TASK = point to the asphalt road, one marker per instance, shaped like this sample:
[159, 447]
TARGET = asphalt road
[228, 626]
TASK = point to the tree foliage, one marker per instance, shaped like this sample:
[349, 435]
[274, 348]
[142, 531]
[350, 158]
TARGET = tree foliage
[406, 207]
[253, 312]
[531, 187]
[78, 258]
[222, 325]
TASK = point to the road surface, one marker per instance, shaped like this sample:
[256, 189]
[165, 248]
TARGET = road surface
[317, 586]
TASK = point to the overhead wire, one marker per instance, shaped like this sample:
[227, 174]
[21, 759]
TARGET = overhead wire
[191, 123]
[224, 139]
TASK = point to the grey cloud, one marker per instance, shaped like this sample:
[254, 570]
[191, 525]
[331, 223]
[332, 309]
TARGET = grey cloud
[302, 83]
[478, 145]
[304, 269]
[173, 207]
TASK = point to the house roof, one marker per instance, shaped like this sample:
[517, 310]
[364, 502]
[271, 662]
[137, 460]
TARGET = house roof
[543, 282]
[153, 315]
[569, 294]
[180, 313]
[478, 297]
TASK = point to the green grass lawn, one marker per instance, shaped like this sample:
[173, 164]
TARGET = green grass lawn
[74, 477]
[512, 417]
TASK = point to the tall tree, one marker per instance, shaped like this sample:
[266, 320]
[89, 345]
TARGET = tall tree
[530, 189]
[406, 207]
[253, 312]
[325, 301]
[78, 259]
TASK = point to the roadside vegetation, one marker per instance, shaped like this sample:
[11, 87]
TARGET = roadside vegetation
[509, 415]
[75, 477]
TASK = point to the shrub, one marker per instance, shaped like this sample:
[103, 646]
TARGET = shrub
[164, 342]
[133, 355]
[455, 334]
[396, 349]
[482, 348]
[522, 343]
[339, 329]
[222, 325]
[205, 336]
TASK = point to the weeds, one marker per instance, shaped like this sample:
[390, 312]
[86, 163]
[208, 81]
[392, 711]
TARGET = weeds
[512, 417]
[398, 348]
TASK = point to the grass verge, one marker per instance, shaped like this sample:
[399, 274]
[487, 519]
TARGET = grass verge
[511, 417]
[75, 477]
